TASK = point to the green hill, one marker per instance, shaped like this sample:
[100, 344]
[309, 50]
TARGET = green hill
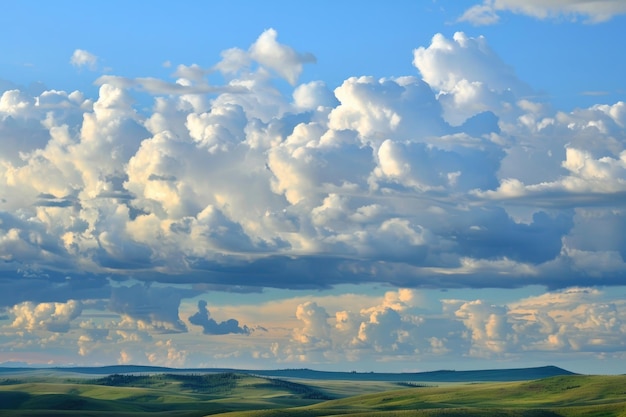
[231, 394]
[139, 395]
[565, 396]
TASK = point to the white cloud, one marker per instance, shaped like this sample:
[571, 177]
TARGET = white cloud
[311, 95]
[591, 11]
[403, 108]
[469, 76]
[490, 331]
[81, 58]
[578, 319]
[54, 317]
[15, 103]
[315, 329]
[381, 330]
[480, 14]
[278, 57]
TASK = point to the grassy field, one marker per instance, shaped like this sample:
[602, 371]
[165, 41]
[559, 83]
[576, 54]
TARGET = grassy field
[231, 394]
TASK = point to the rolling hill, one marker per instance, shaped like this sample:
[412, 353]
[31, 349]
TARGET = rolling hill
[133, 391]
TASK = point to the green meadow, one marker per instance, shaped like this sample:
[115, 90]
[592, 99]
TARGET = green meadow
[246, 395]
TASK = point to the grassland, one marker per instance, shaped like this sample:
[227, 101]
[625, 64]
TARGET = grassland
[245, 395]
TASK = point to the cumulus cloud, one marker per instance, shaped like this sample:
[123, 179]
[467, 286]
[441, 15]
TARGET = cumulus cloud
[278, 57]
[315, 328]
[210, 326]
[591, 11]
[54, 317]
[470, 78]
[82, 58]
[382, 330]
[490, 331]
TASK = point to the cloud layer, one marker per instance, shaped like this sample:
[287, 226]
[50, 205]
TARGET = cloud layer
[450, 177]
[591, 11]
[454, 179]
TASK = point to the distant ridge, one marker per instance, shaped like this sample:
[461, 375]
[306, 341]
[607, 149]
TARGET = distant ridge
[488, 375]
[517, 374]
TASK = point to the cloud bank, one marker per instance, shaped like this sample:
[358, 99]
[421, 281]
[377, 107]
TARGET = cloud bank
[450, 177]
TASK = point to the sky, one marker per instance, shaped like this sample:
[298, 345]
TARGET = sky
[381, 186]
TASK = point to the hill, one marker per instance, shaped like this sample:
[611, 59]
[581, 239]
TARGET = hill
[515, 374]
[245, 395]
[561, 396]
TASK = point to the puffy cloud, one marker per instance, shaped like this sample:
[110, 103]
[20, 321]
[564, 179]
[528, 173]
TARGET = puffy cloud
[163, 353]
[15, 102]
[592, 11]
[480, 14]
[469, 76]
[81, 58]
[312, 95]
[54, 317]
[157, 86]
[490, 331]
[381, 330]
[571, 320]
[375, 331]
[315, 329]
[210, 326]
[576, 319]
[218, 129]
[403, 108]
[278, 57]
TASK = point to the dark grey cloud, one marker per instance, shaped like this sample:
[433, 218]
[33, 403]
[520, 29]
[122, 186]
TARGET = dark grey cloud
[210, 326]
[50, 286]
[537, 242]
[155, 307]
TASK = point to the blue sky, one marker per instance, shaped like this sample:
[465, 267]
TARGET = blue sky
[404, 186]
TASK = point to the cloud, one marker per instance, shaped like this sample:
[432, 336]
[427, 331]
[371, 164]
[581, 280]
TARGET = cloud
[53, 317]
[152, 308]
[469, 76]
[404, 108]
[454, 179]
[81, 58]
[315, 329]
[591, 11]
[403, 324]
[278, 57]
[210, 326]
[157, 86]
[311, 95]
[383, 328]
[490, 331]
[480, 14]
